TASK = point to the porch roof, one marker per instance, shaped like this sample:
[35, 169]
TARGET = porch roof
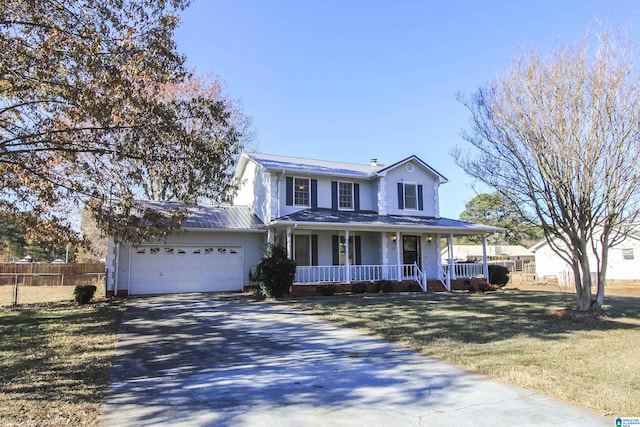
[328, 219]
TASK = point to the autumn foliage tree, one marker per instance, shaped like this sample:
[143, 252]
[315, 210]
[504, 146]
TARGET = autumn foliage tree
[92, 111]
[559, 135]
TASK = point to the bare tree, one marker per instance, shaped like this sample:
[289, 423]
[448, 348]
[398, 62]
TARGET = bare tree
[558, 135]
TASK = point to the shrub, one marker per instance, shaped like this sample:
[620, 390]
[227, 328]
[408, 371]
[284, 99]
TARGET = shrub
[84, 293]
[358, 288]
[326, 291]
[384, 286]
[484, 287]
[414, 287]
[498, 275]
[276, 273]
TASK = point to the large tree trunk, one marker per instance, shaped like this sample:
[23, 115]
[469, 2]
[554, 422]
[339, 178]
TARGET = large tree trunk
[602, 278]
[584, 284]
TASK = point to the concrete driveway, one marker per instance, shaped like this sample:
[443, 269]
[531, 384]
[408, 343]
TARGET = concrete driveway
[223, 360]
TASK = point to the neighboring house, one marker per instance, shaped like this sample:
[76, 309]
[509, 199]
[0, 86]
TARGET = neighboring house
[623, 262]
[509, 255]
[340, 222]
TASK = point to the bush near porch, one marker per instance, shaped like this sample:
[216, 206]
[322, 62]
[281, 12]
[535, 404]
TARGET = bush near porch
[383, 286]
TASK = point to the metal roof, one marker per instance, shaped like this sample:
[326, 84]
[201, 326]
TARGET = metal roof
[319, 217]
[207, 217]
[321, 167]
[278, 163]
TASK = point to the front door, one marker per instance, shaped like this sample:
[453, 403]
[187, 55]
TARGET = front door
[410, 250]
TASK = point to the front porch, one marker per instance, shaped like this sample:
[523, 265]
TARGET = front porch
[336, 247]
[411, 273]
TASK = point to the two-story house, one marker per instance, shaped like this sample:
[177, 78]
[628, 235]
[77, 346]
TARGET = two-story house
[340, 223]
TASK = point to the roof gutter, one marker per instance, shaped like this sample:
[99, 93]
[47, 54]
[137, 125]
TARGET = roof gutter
[381, 227]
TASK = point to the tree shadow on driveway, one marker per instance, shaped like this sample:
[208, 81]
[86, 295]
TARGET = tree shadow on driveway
[212, 360]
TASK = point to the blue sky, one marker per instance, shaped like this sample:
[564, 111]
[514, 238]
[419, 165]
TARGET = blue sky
[351, 80]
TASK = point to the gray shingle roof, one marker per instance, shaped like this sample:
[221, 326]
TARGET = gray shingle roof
[370, 219]
[225, 217]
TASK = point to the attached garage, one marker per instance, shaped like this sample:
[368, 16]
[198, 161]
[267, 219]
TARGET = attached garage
[214, 252]
[179, 269]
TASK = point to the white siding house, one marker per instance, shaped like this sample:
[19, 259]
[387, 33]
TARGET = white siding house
[624, 261]
[340, 222]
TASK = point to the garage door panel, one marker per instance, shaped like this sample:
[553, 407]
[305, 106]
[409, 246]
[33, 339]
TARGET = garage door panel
[174, 269]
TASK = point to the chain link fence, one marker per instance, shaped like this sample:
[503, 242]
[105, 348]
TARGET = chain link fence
[39, 283]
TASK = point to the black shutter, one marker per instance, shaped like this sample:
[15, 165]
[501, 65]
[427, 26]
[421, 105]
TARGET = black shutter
[420, 202]
[358, 250]
[336, 249]
[289, 191]
[314, 249]
[334, 196]
[314, 193]
[400, 196]
[356, 197]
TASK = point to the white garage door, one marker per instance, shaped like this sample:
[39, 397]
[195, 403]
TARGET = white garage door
[177, 269]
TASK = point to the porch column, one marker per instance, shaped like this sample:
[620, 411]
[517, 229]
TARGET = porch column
[485, 266]
[399, 254]
[289, 244]
[346, 260]
[269, 237]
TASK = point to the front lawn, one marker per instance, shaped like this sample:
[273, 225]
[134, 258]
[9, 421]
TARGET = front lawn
[55, 361]
[523, 337]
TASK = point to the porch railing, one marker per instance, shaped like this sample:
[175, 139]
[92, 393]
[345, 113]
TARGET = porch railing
[464, 270]
[357, 273]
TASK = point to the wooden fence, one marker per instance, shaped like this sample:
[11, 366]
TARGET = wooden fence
[41, 274]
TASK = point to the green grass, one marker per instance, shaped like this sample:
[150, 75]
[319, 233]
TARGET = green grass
[526, 338]
[55, 361]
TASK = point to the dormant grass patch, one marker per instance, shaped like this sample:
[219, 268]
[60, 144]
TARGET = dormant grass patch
[55, 361]
[515, 336]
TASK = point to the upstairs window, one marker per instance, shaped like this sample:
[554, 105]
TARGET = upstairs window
[301, 192]
[345, 195]
[627, 254]
[301, 188]
[410, 196]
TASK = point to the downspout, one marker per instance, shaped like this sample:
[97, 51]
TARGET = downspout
[272, 237]
[278, 193]
[117, 266]
[129, 271]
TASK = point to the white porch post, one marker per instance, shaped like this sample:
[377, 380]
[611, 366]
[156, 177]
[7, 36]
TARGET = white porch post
[289, 244]
[451, 271]
[399, 255]
[346, 260]
[485, 266]
[269, 236]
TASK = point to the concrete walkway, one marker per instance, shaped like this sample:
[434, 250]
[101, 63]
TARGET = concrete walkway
[221, 360]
